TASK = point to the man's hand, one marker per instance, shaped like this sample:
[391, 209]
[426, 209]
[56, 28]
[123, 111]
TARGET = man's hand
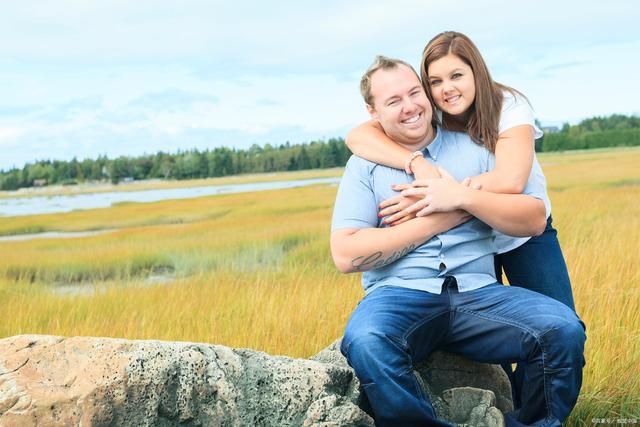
[443, 194]
[394, 209]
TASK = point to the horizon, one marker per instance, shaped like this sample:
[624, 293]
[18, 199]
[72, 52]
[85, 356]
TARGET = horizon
[122, 79]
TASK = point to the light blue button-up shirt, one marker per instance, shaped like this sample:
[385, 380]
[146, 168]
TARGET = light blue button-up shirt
[465, 252]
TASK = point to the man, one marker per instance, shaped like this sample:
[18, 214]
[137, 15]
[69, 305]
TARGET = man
[430, 282]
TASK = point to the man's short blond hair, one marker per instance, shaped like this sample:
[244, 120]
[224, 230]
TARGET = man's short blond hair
[380, 63]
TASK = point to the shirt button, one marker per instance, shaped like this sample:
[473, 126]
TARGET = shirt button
[442, 266]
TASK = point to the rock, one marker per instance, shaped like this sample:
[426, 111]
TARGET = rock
[444, 371]
[450, 379]
[473, 406]
[47, 380]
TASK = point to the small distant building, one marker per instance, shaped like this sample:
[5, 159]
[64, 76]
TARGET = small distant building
[39, 182]
[550, 129]
[127, 179]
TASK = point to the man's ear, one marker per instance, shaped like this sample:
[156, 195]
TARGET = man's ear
[372, 112]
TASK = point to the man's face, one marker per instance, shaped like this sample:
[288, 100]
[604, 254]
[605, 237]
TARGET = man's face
[401, 106]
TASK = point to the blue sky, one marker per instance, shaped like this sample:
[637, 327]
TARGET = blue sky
[83, 78]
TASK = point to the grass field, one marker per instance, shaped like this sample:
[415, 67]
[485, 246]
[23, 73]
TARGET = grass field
[254, 270]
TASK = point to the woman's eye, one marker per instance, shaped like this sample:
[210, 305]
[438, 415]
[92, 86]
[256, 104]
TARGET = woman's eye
[434, 82]
[456, 75]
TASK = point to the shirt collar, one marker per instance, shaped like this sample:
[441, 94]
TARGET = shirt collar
[433, 149]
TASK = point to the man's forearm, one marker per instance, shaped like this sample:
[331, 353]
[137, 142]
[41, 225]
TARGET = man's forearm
[369, 248]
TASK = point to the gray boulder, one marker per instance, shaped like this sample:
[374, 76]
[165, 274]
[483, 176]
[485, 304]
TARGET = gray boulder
[46, 380]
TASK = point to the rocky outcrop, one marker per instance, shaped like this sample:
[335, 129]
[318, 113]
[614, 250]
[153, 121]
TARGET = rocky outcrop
[47, 380]
[461, 391]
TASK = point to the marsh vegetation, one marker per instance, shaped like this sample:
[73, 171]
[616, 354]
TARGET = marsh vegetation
[254, 270]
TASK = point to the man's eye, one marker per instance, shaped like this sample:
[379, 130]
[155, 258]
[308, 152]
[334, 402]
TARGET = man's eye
[415, 93]
[392, 103]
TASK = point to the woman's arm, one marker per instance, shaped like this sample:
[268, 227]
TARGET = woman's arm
[370, 142]
[511, 214]
[514, 157]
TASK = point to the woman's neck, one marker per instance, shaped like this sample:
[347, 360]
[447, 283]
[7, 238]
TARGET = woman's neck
[455, 123]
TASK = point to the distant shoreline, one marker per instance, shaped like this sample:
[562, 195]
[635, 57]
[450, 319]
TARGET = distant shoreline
[157, 184]
[142, 185]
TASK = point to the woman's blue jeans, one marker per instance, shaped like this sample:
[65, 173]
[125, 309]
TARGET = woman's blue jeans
[393, 327]
[538, 265]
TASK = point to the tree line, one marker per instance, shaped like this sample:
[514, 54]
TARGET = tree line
[182, 165]
[615, 130]
[597, 132]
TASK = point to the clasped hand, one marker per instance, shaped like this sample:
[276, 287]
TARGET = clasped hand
[425, 196]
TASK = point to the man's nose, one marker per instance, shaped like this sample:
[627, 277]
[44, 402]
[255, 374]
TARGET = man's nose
[408, 104]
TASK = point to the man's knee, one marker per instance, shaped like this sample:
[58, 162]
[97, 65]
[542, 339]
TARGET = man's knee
[364, 337]
[566, 343]
[371, 345]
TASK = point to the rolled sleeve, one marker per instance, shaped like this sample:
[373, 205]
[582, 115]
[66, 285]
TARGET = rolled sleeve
[355, 205]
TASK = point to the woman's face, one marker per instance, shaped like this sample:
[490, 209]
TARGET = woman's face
[452, 85]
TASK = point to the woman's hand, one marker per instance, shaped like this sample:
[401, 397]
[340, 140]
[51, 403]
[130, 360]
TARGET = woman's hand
[443, 194]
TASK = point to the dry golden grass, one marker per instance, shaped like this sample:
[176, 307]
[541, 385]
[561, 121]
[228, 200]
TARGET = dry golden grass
[253, 270]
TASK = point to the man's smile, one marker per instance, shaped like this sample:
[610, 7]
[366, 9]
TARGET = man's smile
[412, 119]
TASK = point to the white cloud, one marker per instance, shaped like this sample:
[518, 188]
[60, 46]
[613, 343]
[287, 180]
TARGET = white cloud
[9, 136]
[83, 78]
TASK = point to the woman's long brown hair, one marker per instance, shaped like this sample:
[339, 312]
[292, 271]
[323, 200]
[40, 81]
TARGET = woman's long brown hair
[484, 117]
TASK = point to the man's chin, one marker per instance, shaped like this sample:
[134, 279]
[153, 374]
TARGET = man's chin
[418, 136]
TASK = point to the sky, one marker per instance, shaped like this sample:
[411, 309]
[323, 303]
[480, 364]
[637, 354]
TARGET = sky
[81, 78]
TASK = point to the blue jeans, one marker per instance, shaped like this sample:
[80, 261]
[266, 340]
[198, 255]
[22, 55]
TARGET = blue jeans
[393, 327]
[538, 265]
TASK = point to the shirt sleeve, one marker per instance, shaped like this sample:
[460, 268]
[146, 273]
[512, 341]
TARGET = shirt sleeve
[516, 111]
[355, 205]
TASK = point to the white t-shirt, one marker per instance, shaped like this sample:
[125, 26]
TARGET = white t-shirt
[516, 111]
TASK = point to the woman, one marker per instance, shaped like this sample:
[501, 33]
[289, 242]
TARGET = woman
[459, 85]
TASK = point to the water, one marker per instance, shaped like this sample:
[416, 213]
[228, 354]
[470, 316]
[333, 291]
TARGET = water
[53, 235]
[21, 206]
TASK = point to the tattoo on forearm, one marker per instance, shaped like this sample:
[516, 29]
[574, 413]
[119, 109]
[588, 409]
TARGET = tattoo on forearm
[376, 260]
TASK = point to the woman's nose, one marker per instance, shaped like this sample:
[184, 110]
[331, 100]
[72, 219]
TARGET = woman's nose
[447, 87]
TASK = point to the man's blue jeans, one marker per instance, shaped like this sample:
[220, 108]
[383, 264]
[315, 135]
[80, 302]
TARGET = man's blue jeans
[394, 327]
[537, 265]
